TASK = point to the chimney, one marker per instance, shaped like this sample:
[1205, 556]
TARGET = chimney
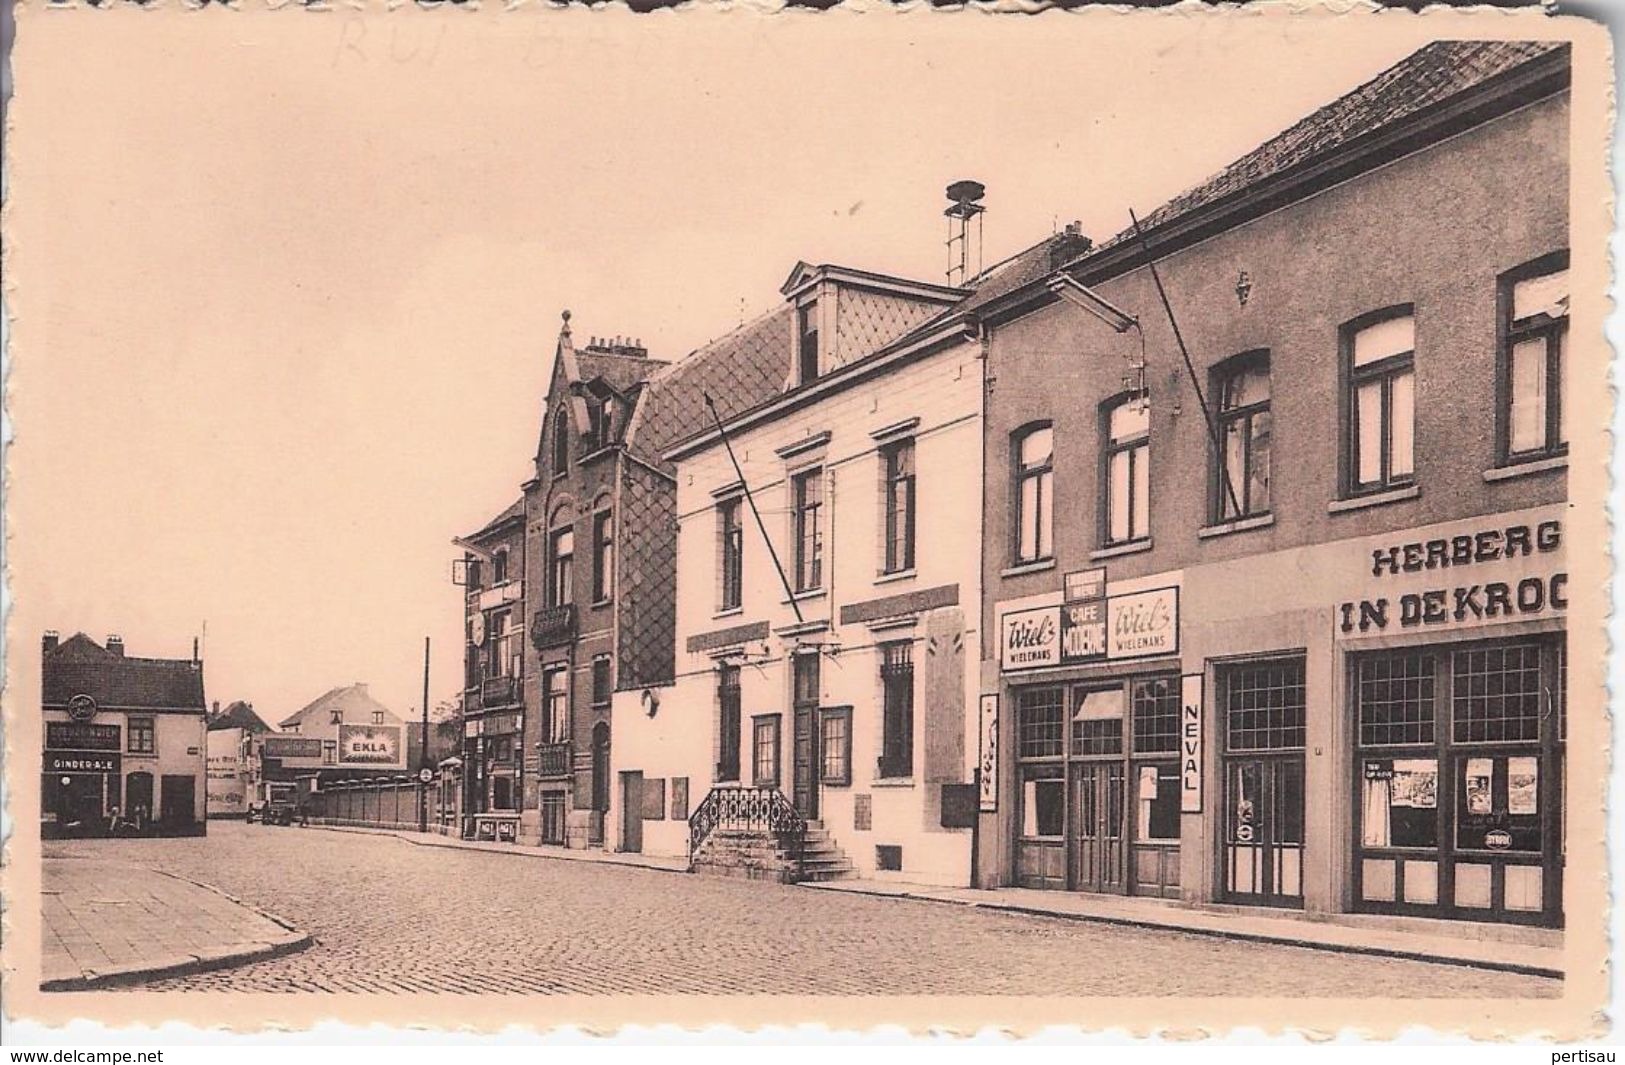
[1068, 245]
[52, 638]
[216, 708]
[617, 345]
[115, 644]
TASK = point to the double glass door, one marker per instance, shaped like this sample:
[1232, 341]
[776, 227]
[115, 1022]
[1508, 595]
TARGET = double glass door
[1263, 840]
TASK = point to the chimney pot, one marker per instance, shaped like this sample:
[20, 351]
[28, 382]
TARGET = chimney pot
[115, 644]
[51, 639]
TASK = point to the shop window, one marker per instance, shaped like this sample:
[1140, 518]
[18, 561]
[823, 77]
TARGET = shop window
[897, 462]
[561, 560]
[603, 682]
[897, 715]
[1156, 715]
[728, 712]
[1381, 359]
[1043, 808]
[835, 746]
[1034, 450]
[1498, 803]
[1040, 723]
[731, 549]
[143, 735]
[603, 555]
[1496, 693]
[1396, 698]
[1399, 802]
[1128, 470]
[765, 751]
[1097, 721]
[1534, 302]
[556, 705]
[808, 500]
[1242, 479]
[1158, 805]
[1263, 705]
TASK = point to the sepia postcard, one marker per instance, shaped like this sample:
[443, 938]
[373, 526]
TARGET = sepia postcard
[737, 515]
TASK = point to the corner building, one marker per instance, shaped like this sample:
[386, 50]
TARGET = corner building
[1303, 649]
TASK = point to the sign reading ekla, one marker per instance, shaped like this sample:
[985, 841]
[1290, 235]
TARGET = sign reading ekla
[368, 745]
[1091, 626]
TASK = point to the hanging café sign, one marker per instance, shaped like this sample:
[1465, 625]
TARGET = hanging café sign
[1505, 573]
[1091, 626]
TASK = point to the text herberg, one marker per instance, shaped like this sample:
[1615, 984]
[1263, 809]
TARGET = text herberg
[1467, 602]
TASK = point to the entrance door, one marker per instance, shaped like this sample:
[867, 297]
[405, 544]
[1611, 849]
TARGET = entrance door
[1097, 826]
[1263, 841]
[600, 782]
[632, 812]
[805, 763]
[138, 799]
[177, 797]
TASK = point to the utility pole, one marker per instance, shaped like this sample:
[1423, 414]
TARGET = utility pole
[425, 771]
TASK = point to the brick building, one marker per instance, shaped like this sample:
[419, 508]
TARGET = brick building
[1303, 648]
[494, 707]
[124, 736]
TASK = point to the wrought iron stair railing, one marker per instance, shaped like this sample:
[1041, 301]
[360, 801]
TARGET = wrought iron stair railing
[750, 809]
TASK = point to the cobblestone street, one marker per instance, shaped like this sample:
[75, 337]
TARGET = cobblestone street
[392, 917]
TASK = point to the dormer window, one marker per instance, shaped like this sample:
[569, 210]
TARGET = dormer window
[600, 418]
[807, 341]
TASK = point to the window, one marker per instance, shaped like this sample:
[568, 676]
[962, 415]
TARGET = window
[1097, 721]
[898, 469]
[377, 717]
[1395, 693]
[330, 752]
[561, 443]
[600, 423]
[835, 745]
[728, 724]
[603, 555]
[1263, 705]
[499, 566]
[1496, 694]
[1381, 401]
[1040, 718]
[764, 747]
[1156, 715]
[1043, 807]
[562, 554]
[337, 717]
[556, 705]
[1158, 805]
[1035, 488]
[808, 490]
[473, 574]
[497, 646]
[143, 735]
[603, 683]
[897, 715]
[1243, 476]
[731, 545]
[1534, 303]
[807, 348]
[1128, 470]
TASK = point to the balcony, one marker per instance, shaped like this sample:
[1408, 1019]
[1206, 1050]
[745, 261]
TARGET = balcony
[553, 760]
[498, 691]
[553, 625]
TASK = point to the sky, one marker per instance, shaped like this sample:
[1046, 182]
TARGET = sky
[286, 285]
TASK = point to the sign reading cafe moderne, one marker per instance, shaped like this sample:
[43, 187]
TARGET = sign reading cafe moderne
[1102, 628]
[1509, 572]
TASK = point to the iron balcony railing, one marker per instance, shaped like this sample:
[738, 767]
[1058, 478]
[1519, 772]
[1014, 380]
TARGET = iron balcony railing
[755, 809]
[553, 625]
[553, 760]
[498, 691]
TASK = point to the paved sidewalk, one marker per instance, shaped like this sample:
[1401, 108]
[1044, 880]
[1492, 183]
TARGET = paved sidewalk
[524, 850]
[1536, 952]
[109, 922]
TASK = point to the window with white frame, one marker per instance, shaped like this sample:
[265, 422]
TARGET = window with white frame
[731, 550]
[1128, 470]
[1242, 488]
[1034, 451]
[1381, 358]
[807, 491]
[1534, 326]
[897, 471]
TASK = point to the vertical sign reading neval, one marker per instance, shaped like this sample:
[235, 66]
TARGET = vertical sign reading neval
[987, 776]
[1190, 743]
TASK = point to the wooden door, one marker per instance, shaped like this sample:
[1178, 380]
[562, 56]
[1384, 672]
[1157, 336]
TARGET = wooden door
[632, 812]
[804, 763]
[1263, 840]
[177, 797]
[1097, 826]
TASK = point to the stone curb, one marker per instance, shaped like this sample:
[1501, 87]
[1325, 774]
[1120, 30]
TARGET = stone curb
[1409, 954]
[186, 964]
[519, 849]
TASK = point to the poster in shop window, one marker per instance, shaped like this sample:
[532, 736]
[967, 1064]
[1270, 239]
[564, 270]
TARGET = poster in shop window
[1523, 786]
[1480, 798]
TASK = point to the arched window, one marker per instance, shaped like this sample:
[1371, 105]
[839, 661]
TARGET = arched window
[561, 444]
[1241, 475]
[1033, 449]
[1128, 470]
